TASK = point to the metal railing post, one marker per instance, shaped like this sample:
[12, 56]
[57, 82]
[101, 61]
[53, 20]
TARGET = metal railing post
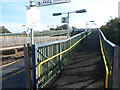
[68, 25]
[33, 66]
[119, 66]
[115, 78]
[27, 59]
[60, 57]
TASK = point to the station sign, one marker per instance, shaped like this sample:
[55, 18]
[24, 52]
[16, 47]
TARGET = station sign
[64, 20]
[33, 17]
[50, 2]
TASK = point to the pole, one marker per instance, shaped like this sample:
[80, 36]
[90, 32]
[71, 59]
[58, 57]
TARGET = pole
[31, 37]
[86, 26]
[68, 25]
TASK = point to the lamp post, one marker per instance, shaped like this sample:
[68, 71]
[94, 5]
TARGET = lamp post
[87, 24]
[77, 11]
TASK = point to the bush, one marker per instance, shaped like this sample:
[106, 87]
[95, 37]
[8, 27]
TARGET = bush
[112, 30]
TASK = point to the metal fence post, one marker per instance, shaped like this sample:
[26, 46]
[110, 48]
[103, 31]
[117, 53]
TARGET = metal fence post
[29, 67]
[119, 66]
[28, 77]
[70, 49]
[33, 63]
[116, 77]
[60, 57]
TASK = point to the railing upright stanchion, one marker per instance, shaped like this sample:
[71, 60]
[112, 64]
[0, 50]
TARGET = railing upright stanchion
[47, 62]
[116, 77]
[28, 66]
[60, 57]
[33, 66]
[70, 49]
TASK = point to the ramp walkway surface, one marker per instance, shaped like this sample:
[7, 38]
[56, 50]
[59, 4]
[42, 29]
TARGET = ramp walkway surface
[85, 69]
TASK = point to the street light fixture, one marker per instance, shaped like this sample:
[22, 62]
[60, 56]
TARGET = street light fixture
[77, 11]
[81, 11]
[56, 14]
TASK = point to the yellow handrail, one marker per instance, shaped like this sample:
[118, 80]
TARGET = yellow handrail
[105, 63]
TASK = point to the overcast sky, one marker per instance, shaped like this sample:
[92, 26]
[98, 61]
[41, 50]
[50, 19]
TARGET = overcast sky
[13, 13]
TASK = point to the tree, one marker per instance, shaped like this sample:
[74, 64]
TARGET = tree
[73, 28]
[62, 27]
[4, 30]
[112, 30]
[52, 29]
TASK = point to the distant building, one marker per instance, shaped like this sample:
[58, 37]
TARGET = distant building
[119, 9]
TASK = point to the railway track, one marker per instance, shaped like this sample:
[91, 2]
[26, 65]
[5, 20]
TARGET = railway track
[11, 54]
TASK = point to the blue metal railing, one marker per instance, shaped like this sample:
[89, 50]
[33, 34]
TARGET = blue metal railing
[50, 58]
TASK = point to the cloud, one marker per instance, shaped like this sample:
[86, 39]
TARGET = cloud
[97, 10]
[14, 27]
[14, 18]
[18, 27]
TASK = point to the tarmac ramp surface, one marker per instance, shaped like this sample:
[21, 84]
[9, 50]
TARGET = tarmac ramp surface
[85, 69]
[13, 76]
